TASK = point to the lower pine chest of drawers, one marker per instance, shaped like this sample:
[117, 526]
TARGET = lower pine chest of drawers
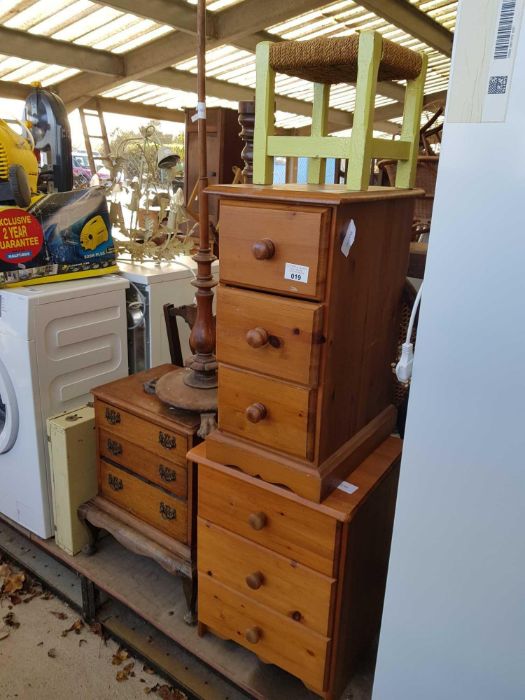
[298, 583]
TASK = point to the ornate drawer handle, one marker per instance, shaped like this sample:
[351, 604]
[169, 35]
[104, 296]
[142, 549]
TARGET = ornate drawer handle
[167, 512]
[257, 337]
[253, 634]
[114, 447]
[255, 580]
[167, 441]
[167, 474]
[257, 520]
[256, 412]
[264, 249]
[112, 416]
[115, 484]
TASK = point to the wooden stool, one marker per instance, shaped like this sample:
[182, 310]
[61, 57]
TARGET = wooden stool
[364, 59]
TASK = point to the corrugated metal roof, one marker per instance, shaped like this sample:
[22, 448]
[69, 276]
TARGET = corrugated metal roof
[88, 23]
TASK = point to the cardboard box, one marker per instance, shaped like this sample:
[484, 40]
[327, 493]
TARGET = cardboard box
[61, 236]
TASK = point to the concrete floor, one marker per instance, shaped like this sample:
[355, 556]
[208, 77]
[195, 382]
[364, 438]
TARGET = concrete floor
[38, 663]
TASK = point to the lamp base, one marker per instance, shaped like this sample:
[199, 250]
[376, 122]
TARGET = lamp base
[172, 388]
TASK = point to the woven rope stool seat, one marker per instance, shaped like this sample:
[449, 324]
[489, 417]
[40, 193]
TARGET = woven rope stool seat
[363, 59]
[334, 60]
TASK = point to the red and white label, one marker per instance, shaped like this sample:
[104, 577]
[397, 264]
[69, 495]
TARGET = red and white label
[21, 236]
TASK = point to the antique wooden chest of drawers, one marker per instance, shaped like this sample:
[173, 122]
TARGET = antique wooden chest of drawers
[300, 584]
[146, 486]
[307, 323]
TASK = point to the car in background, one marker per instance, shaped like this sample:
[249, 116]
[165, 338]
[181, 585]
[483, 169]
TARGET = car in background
[81, 170]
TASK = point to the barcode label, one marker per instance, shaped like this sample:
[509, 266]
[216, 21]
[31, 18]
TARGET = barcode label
[498, 84]
[504, 35]
[507, 20]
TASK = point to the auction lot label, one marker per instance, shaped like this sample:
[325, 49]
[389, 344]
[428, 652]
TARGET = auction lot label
[21, 236]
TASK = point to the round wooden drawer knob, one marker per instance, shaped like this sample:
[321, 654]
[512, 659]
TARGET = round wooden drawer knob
[253, 634]
[257, 337]
[257, 520]
[263, 250]
[255, 580]
[256, 412]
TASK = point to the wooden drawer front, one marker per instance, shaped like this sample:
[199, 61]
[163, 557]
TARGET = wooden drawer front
[269, 334]
[151, 437]
[285, 526]
[297, 236]
[172, 477]
[149, 503]
[282, 584]
[267, 411]
[274, 638]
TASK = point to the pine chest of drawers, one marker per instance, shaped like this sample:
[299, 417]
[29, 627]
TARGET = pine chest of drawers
[298, 583]
[146, 486]
[307, 325]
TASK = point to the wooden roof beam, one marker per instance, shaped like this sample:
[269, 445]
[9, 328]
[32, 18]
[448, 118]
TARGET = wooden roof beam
[33, 47]
[18, 91]
[136, 109]
[177, 13]
[236, 21]
[413, 21]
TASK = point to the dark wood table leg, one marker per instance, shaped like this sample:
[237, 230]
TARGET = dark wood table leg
[189, 586]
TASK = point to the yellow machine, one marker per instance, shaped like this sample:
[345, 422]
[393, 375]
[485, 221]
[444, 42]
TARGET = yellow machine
[18, 166]
[94, 233]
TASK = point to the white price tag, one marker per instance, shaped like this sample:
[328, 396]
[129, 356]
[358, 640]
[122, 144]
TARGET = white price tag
[347, 488]
[296, 273]
[200, 113]
[349, 238]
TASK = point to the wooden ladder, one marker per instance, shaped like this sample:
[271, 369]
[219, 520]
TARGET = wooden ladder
[88, 138]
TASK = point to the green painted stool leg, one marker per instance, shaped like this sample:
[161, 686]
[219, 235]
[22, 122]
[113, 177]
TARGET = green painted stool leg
[406, 169]
[317, 165]
[264, 115]
[369, 58]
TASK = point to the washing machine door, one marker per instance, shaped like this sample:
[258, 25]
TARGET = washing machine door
[8, 411]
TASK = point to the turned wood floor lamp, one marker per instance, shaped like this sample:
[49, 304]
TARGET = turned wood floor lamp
[195, 389]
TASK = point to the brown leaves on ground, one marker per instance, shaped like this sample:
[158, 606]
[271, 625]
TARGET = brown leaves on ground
[119, 656]
[11, 581]
[14, 583]
[11, 621]
[166, 693]
[96, 628]
[58, 614]
[76, 627]
[17, 587]
[126, 672]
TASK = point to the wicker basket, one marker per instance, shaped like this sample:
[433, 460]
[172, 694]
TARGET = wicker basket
[426, 175]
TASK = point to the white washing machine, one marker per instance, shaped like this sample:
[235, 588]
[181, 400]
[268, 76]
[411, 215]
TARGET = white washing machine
[57, 342]
[151, 286]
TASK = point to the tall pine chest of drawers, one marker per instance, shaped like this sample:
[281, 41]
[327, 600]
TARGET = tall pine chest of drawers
[292, 560]
[307, 324]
